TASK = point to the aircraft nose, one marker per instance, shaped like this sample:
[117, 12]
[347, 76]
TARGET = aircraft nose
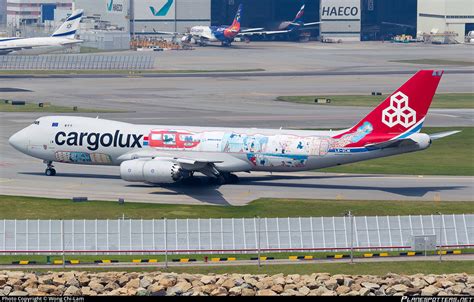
[18, 141]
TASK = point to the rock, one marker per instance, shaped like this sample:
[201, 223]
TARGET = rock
[331, 284]
[266, 292]
[134, 283]
[343, 289]
[443, 293]
[413, 291]
[468, 291]
[73, 282]
[420, 283]
[168, 281]
[348, 282]
[456, 289]
[279, 281]
[157, 289]
[142, 292]
[208, 279]
[228, 283]
[304, 290]
[339, 279]
[86, 291]
[429, 279]
[277, 288]
[179, 288]
[72, 291]
[319, 292]
[208, 289]
[399, 288]
[364, 291]
[46, 288]
[370, 285]
[220, 291]
[18, 293]
[59, 281]
[96, 286]
[14, 282]
[429, 290]
[145, 282]
[123, 280]
[14, 275]
[289, 286]
[444, 284]
[235, 291]
[248, 292]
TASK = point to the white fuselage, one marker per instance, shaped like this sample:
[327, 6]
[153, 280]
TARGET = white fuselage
[79, 140]
[37, 45]
[204, 33]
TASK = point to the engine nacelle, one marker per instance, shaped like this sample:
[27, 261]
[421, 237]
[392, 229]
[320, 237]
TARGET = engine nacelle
[152, 171]
[422, 139]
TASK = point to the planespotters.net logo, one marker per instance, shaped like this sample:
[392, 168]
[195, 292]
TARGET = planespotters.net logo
[399, 113]
[437, 299]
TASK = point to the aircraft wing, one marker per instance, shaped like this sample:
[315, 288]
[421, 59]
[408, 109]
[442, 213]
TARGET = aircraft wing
[171, 33]
[312, 23]
[251, 30]
[204, 162]
[7, 50]
[274, 32]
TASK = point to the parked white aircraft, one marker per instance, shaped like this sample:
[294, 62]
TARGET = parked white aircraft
[167, 154]
[63, 37]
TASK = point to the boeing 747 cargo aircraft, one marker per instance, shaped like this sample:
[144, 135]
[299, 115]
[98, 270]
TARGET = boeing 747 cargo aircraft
[168, 154]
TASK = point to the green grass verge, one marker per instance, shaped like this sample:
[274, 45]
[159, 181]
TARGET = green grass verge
[441, 62]
[30, 107]
[16, 207]
[441, 100]
[371, 268]
[452, 155]
[125, 72]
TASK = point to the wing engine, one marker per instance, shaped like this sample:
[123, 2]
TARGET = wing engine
[154, 171]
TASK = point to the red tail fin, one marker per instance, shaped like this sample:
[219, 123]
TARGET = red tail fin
[402, 112]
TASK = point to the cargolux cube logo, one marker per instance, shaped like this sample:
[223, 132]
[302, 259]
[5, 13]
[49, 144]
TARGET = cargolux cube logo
[399, 113]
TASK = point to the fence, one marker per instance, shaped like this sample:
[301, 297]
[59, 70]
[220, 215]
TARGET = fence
[77, 62]
[247, 234]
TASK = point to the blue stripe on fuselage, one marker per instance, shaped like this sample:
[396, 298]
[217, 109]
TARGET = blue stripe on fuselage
[10, 39]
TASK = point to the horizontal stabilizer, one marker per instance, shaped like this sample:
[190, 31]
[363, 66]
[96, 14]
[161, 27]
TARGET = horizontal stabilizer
[439, 135]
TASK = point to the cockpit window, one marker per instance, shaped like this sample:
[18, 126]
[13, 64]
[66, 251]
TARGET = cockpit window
[36, 122]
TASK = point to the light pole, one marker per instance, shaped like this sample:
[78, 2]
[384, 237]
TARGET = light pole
[166, 244]
[351, 217]
[440, 237]
[258, 242]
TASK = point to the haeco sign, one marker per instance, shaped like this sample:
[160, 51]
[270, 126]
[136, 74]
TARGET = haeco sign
[337, 9]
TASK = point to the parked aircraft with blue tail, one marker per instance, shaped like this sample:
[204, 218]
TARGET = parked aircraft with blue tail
[62, 38]
[203, 35]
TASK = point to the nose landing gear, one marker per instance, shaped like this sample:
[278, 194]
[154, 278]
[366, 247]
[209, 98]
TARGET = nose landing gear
[50, 171]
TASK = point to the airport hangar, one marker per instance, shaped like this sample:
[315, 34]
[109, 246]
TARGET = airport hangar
[342, 19]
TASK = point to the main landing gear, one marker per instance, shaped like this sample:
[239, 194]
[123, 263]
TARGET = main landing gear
[50, 171]
[226, 178]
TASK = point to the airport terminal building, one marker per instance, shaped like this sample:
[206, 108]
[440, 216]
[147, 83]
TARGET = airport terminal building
[346, 20]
